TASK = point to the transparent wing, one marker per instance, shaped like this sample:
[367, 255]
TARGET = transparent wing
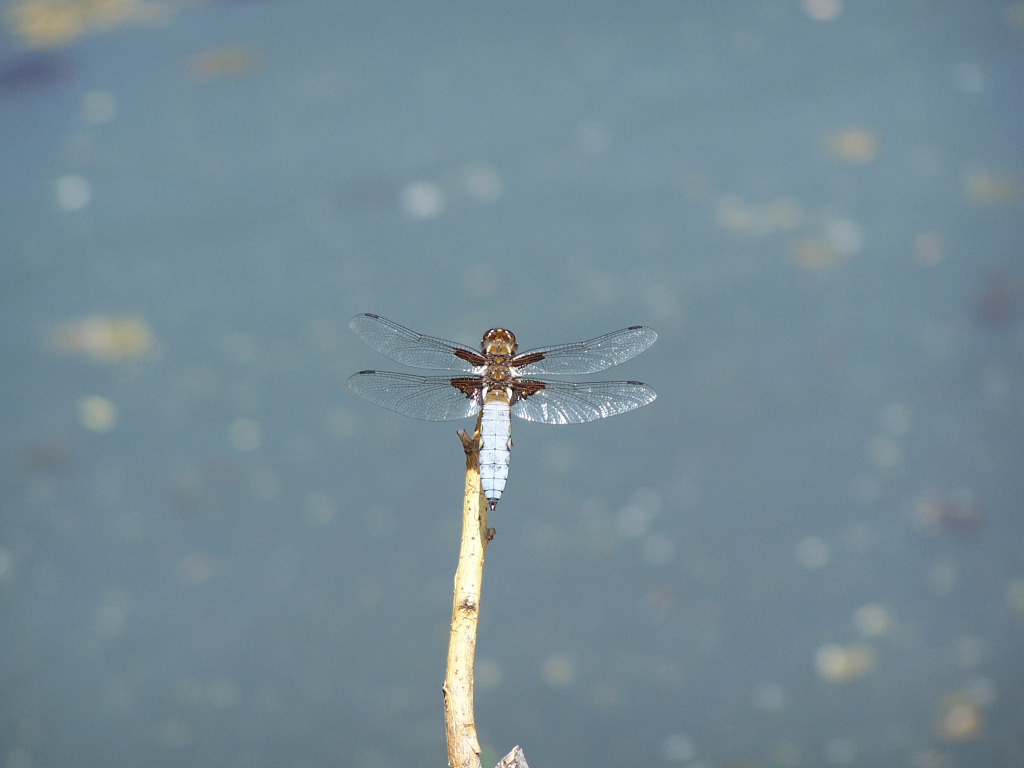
[432, 398]
[411, 348]
[566, 402]
[588, 356]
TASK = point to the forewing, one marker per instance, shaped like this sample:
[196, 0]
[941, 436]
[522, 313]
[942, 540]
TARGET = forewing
[587, 356]
[414, 349]
[432, 398]
[566, 402]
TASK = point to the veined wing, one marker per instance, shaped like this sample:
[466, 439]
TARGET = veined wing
[565, 402]
[432, 398]
[586, 356]
[411, 348]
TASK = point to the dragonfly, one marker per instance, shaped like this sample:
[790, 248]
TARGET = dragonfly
[500, 382]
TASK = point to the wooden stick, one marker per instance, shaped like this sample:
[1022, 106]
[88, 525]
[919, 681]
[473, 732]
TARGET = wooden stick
[460, 726]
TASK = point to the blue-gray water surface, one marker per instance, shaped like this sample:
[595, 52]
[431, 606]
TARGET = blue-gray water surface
[808, 551]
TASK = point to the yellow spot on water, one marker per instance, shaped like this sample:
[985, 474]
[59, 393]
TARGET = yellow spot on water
[41, 23]
[988, 188]
[840, 664]
[856, 146]
[97, 413]
[107, 338]
[960, 718]
[221, 63]
[816, 253]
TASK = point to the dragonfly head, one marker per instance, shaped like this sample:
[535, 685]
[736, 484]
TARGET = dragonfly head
[498, 341]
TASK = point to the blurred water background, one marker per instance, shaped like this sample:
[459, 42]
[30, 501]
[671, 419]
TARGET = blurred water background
[809, 551]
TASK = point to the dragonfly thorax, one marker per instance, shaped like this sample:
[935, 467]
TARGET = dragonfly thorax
[498, 341]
